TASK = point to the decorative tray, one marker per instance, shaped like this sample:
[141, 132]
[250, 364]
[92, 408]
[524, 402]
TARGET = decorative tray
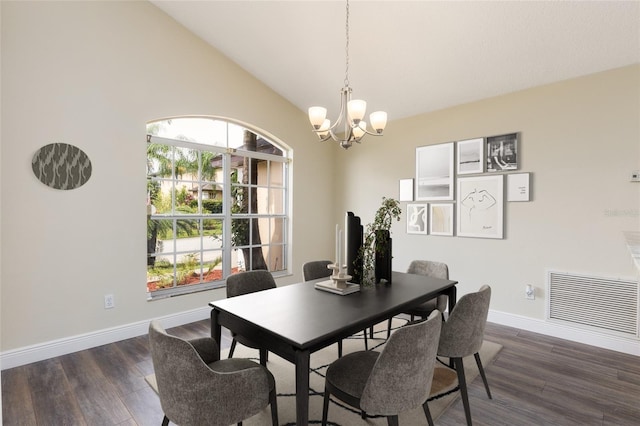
[331, 287]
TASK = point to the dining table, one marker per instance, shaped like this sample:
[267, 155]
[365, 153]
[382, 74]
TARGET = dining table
[295, 320]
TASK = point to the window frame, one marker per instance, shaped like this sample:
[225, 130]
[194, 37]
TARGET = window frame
[226, 216]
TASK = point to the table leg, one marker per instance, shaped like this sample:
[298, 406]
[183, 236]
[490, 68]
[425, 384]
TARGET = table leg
[452, 295]
[302, 387]
[216, 331]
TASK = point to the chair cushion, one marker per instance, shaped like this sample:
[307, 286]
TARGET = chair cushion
[351, 372]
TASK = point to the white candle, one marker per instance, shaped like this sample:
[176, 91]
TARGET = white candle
[340, 271]
[337, 250]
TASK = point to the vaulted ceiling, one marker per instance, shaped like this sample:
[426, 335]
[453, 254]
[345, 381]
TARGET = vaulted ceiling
[410, 57]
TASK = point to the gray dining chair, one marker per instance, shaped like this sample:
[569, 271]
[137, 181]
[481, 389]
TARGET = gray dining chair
[392, 381]
[244, 283]
[430, 269]
[197, 388]
[462, 335]
[316, 269]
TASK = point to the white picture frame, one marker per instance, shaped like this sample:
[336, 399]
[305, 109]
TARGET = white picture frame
[441, 219]
[480, 211]
[470, 156]
[417, 218]
[406, 190]
[518, 187]
[434, 172]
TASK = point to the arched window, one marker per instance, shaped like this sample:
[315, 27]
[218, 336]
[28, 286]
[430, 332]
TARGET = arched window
[217, 203]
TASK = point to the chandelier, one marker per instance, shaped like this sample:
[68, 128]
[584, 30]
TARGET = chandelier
[352, 111]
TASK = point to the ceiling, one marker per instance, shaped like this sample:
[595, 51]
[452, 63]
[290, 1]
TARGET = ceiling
[411, 57]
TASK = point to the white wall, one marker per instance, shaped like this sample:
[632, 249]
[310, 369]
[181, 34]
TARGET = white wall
[580, 140]
[92, 74]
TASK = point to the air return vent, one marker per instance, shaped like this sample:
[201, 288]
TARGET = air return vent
[611, 305]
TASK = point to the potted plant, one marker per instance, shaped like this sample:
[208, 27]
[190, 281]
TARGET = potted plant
[375, 251]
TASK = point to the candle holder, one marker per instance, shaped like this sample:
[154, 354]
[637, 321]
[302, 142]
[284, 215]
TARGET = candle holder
[338, 277]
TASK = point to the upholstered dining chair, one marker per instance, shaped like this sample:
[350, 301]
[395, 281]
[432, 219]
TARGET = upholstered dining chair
[244, 283]
[196, 388]
[430, 269]
[315, 269]
[462, 335]
[392, 381]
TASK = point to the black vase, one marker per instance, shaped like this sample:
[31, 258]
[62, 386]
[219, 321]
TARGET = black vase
[383, 256]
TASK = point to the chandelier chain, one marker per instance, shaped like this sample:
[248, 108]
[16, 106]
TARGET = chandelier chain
[346, 71]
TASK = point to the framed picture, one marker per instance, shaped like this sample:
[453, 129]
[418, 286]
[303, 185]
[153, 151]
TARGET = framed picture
[417, 218]
[518, 187]
[480, 206]
[406, 190]
[470, 156]
[441, 219]
[434, 172]
[502, 153]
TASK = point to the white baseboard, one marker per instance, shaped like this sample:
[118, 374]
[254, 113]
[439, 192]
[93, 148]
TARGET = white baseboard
[39, 352]
[616, 343]
[54, 348]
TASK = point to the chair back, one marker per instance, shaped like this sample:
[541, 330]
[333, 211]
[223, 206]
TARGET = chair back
[191, 393]
[316, 269]
[249, 282]
[402, 375]
[429, 268]
[463, 332]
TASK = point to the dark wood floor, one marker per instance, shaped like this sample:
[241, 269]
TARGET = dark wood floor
[535, 380]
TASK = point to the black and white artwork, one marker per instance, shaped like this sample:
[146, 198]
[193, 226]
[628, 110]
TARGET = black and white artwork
[502, 153]
[470, 153]
[434, 172]
[480, 206]
[417, 218]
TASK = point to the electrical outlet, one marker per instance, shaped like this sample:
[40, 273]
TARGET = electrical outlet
[109, 301]
[529, 292]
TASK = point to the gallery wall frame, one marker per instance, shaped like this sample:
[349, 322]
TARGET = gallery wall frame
[406, 190]
[470, 156]
[480, 211]
[434, 172]
[417, 218]
[518, 187]
[441, 219]
[502, 152]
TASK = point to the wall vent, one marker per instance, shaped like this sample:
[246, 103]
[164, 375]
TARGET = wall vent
[608, 304]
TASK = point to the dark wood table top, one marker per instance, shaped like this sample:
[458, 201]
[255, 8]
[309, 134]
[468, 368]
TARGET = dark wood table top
[305, 318]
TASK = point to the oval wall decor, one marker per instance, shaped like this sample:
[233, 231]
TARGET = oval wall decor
[61, 166]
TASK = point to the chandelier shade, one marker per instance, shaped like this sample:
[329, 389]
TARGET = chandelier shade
[350, 126]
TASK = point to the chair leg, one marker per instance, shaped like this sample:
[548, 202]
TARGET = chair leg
[484, 378]
[325, 407]
[462, 383]
[165, 421]
[233, 348]
[371, 332]
[340, 349]
[389, 328]
[427, 413]
[392, 420]
[366, 344]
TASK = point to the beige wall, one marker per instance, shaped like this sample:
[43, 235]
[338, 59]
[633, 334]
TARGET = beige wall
[92, 74]
[580, 140]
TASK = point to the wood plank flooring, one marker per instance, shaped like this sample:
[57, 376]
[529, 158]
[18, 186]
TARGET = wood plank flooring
[535, 380]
